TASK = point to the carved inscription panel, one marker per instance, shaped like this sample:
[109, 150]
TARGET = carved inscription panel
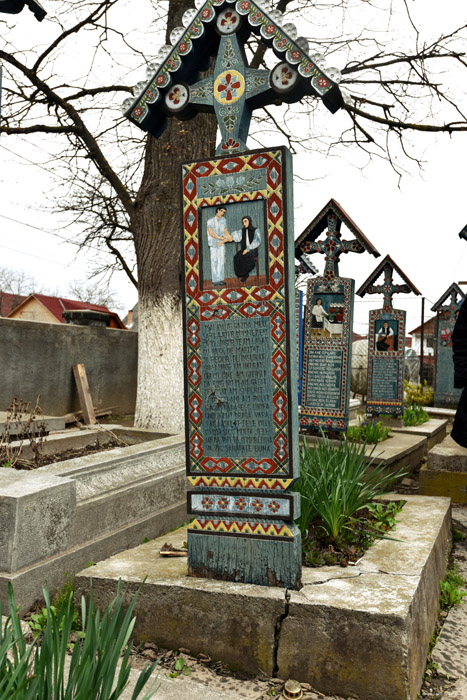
[237, 388]
[385, 375]
[324, 378]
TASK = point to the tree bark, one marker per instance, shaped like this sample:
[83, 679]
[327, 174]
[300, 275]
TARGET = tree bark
[157, 230]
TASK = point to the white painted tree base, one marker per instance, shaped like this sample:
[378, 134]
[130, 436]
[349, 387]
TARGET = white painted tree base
[159, 404]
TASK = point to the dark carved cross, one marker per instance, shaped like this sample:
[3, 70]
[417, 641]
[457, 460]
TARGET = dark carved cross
[452, 306]
[388, 288]
[332, 247]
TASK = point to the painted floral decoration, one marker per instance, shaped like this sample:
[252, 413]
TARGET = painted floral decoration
[230, 85]
[286, 75]
[257, 505]
[274, 506]
[229, 20]
[175, 96]
[241, 503]
[230, 144]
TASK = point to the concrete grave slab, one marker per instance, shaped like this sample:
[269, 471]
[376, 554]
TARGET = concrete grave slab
[448, 457]
[362, 631]
[434, 430]
[56, 519]
[35, 517]
[401, 451]
[51, 423]
[438, 412]
[445, 473]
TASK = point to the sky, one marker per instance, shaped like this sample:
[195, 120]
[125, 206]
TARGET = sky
[416, 221]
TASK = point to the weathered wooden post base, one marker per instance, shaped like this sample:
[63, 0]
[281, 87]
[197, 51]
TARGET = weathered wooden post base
[267, 562]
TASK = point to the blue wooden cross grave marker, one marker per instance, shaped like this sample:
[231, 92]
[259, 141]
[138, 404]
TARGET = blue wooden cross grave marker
[328, 322]
[386, 342]
[447, 307]
[239, 297]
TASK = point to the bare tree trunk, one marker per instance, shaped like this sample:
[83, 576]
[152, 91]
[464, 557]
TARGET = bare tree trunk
[157, 230]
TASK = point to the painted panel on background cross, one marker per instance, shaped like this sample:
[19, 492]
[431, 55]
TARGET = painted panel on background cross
[326, 355]
[445, 393]
[386, 346]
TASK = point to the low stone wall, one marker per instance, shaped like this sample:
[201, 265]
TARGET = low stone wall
[57, 519]
[37, 358]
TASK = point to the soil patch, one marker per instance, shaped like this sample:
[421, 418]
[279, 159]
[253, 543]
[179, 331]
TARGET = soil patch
[355, 536]
[62, 456]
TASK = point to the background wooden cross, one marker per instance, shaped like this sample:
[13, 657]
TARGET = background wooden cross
[387, 288]
[456, 296]
[332, 247]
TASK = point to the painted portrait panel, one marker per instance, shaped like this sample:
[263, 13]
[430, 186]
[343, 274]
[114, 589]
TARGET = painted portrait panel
[327, 315]
[233, 246]
[386, 335]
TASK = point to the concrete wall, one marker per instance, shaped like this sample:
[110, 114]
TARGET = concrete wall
[37, 358]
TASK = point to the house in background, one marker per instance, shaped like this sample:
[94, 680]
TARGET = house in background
[47, 309]
[428, 347]
[8, 302]
[428, 337]
[131, 319]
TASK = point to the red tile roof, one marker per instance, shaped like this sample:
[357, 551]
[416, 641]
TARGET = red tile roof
[8, 302]
[57, 305]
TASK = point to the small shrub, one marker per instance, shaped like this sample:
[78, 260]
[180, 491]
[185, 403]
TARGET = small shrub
[337, 481]
[370, 433]
[415, 415]
[451, 589]
[418, 394]
[457, 535]
[28, 425]
[385, 514]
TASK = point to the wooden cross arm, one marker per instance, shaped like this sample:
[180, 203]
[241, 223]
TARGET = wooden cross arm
[352, 246]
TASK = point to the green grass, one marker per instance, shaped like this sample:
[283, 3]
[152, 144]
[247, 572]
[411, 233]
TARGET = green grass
[37, 671]
[369, 433]
[415, 415]
[452, 589]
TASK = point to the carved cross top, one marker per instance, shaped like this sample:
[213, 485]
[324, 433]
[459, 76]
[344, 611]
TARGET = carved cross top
[220, 28]
[387, 288]
[332, 247]
[230, 90]
[456, 297]
[453, 303]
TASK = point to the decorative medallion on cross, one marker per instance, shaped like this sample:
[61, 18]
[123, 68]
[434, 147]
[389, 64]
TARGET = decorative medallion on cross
[329, 221]
[387, 288]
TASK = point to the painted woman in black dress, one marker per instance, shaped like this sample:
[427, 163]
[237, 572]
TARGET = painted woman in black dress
[249, 238]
